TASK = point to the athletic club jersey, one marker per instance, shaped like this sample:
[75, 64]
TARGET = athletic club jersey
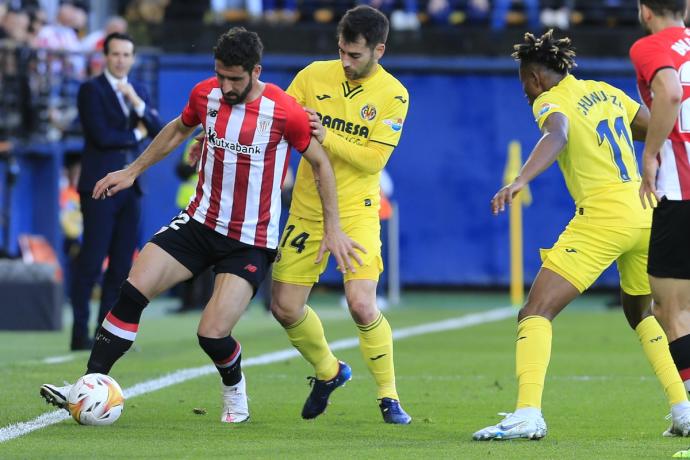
[373, 109]
[598, 163]
[244, 160]
[669, 48]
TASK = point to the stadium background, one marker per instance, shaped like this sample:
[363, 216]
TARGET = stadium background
[466, 106]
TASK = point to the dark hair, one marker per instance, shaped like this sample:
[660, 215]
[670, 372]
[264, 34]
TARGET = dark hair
[662, 7]
[366, 21]
[238, 46]
[557, 55]
[116, 36]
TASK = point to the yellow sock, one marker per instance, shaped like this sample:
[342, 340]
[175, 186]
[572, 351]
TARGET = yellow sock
[532, 354]
[307, 336]
[376, 344]
[655, 346]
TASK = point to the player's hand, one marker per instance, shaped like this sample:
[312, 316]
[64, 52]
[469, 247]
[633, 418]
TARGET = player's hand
[142, 129]
[195, 150]
[505, 196]
[650, 166]
[129, 93]
[317, 129]
[343, 249]
[113, 183]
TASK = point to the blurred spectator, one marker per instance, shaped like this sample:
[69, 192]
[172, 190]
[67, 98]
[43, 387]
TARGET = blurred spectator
[37, 19]
[94, 41]
[235, 10]
[403, 13]
[141, 15]
[15, 26]
[285, 11]
[62, 35]
[557, 14]
[177, 11]
[15, 112]
[504, 14]
[455, 12]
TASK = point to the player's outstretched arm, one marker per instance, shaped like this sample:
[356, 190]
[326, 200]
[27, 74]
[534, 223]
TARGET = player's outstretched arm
[555, 138]
[668, 94]
[334, 240]
[170, 137]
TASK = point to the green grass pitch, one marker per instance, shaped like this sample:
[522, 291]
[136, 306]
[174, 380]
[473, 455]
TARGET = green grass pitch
[601, 399]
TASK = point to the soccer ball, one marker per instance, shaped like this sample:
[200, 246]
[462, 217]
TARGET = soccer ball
[95, 399]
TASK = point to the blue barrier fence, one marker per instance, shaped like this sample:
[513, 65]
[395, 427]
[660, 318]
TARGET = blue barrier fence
[463, 114]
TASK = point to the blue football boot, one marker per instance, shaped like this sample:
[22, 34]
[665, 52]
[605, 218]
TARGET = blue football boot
[317, 401]
[393, 413]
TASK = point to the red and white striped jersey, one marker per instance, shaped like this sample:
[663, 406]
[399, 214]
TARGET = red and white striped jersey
[669, 48]
[244, 160]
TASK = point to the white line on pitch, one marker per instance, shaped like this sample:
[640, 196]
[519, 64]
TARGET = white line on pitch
[50, 418]
[58, 359]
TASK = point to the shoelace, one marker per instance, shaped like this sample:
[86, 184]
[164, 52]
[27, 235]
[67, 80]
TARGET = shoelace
[233, 397]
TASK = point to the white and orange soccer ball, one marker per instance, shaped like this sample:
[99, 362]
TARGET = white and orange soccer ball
[96, 399]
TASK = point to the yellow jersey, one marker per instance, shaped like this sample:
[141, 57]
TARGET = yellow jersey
[598, 162]
[368, 110]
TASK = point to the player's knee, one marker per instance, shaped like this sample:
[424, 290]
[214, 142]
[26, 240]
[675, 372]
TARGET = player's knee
[285, 313]
[210, 330]
[532, 308]
[140, 285]
[362, 310]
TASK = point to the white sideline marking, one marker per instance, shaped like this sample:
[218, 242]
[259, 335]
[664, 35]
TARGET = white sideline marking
[50, 418]
[58, 359]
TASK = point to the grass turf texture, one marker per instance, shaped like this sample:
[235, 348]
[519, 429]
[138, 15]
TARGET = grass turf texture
[601, 398]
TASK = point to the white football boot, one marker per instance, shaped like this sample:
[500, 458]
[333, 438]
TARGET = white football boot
[680, 423]
[520, 424]
[55, 395]
[235, 406]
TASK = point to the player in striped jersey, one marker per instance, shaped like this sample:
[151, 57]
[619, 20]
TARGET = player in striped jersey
[230, 223]
[662, 64]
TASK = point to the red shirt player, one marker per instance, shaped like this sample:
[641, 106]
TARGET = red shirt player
[662, 63]
[230, 223]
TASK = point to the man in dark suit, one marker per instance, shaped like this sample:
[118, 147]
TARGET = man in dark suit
[116, 117]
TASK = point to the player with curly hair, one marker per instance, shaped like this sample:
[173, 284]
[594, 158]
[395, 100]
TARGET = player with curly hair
[588, 126]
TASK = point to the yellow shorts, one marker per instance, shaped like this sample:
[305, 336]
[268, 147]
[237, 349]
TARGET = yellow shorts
[300, 242]
[584, 250]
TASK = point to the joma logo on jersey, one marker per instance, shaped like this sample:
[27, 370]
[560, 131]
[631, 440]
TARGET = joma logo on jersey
[348, 127]
[222, 143]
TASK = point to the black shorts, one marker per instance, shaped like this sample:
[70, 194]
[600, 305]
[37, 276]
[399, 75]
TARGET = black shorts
[669, 246]
[198, 247]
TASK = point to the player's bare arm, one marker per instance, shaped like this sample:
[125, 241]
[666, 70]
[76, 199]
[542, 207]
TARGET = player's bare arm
[640, 124]
[170, 137]
[371, 158]
[668, 94]
[554, 139]
[334, 240]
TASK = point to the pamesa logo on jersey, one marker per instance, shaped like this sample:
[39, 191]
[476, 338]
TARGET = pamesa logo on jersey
[368, 112]
[338, 124]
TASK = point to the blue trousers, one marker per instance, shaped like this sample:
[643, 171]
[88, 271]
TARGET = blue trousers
[111, 229]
